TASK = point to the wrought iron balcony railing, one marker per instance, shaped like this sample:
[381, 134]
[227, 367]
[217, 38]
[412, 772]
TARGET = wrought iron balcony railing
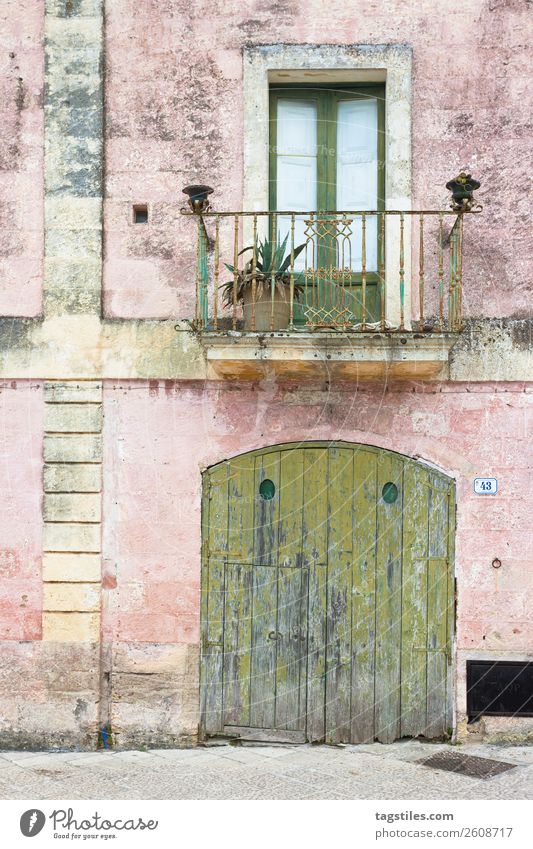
[358, 271]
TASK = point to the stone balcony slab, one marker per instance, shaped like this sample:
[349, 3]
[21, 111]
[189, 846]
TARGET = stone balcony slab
[324, 355]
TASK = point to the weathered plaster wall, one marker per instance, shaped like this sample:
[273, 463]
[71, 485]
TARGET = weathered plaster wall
[21, 156]
[160, 435]
[49, 688]
[49, 695]
[21, 438]
[174, 116]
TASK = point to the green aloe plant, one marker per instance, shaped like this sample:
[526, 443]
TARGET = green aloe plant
[270, 261]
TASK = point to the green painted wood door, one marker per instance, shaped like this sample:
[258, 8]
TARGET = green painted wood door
[327, 595]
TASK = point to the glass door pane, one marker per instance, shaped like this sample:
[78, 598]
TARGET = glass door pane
[327, 154]
[357, 177]
[296, 169]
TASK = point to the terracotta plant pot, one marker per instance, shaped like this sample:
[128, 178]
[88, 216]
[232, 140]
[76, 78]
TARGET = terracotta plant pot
[266, 317]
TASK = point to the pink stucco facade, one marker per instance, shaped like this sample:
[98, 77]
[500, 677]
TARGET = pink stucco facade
[21, 157]
[21, 429]
[108, 419]
[178, 119]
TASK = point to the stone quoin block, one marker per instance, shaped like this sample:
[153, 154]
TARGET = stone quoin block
[76, 290]
[56, 687]
[72, 477]
[73, 213]
[65, 536]
[71, 627]
[71, 597]
[84, 244]
[73, 418]
[79, 9]
[72, 449]
[72, 567]
[73, 391]
[72, 507]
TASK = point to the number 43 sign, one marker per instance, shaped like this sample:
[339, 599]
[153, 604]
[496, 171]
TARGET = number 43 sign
[485, 486]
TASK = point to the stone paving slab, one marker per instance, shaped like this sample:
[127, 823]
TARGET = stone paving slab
[371, 771]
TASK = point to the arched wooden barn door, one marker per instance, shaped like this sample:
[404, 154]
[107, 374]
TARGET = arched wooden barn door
[327, 595]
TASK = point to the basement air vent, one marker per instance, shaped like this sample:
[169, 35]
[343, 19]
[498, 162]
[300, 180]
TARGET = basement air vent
[499, 688]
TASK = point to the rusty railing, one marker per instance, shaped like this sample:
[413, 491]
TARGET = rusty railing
[360, 271]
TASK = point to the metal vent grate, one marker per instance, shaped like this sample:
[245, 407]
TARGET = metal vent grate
[466, 764]
[499, 688]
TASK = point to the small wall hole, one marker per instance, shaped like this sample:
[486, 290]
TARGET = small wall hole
[140, 213]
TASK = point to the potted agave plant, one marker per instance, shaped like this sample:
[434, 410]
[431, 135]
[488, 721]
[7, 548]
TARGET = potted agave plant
[271, 262]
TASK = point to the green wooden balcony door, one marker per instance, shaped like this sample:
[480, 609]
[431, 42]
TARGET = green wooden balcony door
[326, 154]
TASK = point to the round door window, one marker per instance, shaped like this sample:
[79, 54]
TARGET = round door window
[389, 493]
[267, 489]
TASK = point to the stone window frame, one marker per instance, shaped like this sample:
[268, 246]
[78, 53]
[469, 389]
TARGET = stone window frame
[353, 63]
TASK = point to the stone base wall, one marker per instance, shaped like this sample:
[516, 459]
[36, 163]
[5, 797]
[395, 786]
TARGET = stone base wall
[506, 729]
[154, 695]
[49, 693]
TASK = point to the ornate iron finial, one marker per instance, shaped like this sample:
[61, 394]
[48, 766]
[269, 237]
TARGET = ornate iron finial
[198, 198]
[462, 189]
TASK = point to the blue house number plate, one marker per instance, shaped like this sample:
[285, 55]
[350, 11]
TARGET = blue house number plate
[485, 486]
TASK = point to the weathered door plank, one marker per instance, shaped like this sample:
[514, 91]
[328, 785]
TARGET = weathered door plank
[339, 595]
[451, 605]
[265, 592]
[266, 525]
[215, 516]
[364, 597]
[291, 648]
[291, 498]
[237, 643]
[414, 601]
[388, 602]
[314, 558]
[264, 637]
[292, 596]
[241, 501]
[263, 735]
[213, 649]
[437, 609]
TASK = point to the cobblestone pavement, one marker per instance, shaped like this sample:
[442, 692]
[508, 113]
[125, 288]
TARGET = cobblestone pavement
[261, 772]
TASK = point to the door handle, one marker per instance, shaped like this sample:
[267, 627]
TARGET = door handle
[274, 635]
